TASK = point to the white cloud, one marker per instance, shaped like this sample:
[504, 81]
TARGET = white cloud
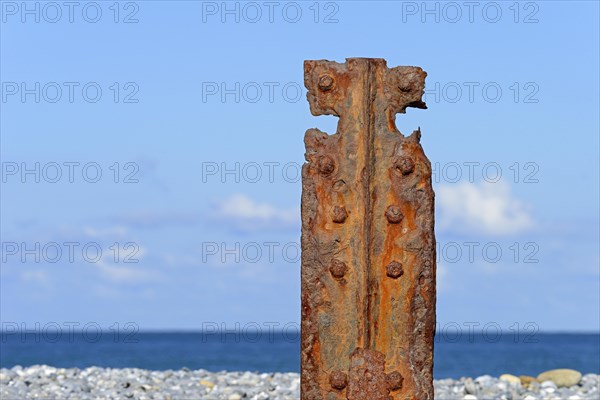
[125, 273]
[484, 207]
[246, 214]
[116, 231]
[441, 277]
[36, 275]
[152, 219]
[182, 260]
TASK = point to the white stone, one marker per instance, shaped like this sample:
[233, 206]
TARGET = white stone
[548, 384]
[513, 380]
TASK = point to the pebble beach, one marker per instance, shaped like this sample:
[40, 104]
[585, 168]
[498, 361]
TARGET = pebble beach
[45, 382]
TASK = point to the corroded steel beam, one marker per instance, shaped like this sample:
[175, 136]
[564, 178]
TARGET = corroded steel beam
[368, 245]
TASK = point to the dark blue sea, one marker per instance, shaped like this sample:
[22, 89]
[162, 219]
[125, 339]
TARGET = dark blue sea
[467, 355]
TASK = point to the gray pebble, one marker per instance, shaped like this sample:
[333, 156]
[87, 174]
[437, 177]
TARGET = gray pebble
[44, 382]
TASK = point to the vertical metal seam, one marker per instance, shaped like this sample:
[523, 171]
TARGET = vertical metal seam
[370, 166]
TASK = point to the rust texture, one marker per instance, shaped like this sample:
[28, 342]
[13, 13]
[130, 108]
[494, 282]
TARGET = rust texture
[368, 245]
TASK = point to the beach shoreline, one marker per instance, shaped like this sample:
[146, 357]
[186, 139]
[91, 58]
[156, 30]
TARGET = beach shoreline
[46, 382]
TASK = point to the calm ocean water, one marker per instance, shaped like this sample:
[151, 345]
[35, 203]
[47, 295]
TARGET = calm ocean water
[454, 357]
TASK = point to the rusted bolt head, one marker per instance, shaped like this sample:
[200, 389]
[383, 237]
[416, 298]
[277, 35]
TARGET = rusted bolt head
[394, 380]
[326, 165]
[405, 165]
[393, 214]
[394, 270]
[338, 380]
[338, 268]
[339, 186]
[325, 82]
[339, 214]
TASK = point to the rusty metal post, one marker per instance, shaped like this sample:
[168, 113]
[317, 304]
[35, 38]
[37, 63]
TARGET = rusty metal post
[368, 245]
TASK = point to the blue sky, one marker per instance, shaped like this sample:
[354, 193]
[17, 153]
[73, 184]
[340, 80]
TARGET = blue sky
[168, 99]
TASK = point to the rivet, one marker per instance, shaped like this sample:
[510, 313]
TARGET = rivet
[338, 380]
[325, 82]
[393, 214]
[326, 165]
[394, 380]
[394, 270]
[405, 165]
[339, 186]
[338, 268]
[339, 214]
